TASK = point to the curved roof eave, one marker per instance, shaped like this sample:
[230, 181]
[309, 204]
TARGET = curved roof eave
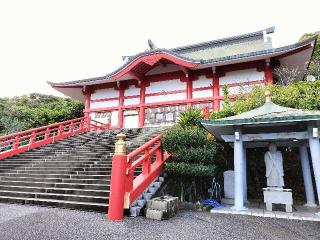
[186, 61]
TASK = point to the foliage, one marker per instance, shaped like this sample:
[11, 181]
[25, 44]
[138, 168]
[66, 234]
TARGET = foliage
[189, 145]
[35, 110]
[189, 117]
[193, 152]
[189, 169]
[288, 74]
[314, 67]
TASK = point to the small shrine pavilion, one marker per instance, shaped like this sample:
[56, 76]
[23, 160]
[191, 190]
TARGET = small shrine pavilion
[267, 124]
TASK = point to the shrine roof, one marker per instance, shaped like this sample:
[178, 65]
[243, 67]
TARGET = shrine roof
[223, 51]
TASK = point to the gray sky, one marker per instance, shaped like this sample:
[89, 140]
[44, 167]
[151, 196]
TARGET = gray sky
[62, 40]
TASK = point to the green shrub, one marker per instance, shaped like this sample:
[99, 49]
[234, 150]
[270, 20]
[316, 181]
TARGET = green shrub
[186, 169]
[189, 117]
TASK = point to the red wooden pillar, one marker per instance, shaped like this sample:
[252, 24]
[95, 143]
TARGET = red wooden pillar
[118, 180]
[142, 102]
[216, 91]
[87, 108]
[121, 103]
[189, 90]
[268, 73]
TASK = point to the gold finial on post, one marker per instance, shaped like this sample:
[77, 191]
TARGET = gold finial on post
[120, 145]
[267, 93]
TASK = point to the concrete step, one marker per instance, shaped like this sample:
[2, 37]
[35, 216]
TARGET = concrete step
[102, 207]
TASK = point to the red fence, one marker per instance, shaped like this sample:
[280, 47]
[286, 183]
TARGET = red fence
[23, 141]
[127, 184]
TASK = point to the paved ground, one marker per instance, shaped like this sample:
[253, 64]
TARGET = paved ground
[29, 222]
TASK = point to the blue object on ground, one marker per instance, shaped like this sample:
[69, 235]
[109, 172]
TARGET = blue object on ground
[211, 202]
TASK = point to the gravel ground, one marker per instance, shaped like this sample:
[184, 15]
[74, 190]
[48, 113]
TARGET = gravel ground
[31, 222]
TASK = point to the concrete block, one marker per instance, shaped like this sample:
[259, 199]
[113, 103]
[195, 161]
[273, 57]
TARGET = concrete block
[157, 184]
[147, 196]
[141, 202]
[154, 214]
[162, 207]
[152, 190]
[135, 211]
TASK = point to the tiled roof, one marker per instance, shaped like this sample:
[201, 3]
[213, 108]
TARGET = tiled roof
[267, 113]
[206, 53]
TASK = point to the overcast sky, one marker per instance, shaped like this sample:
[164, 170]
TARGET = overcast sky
[64, 40]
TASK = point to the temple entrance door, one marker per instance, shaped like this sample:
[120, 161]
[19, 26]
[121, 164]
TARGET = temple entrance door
[131, 121]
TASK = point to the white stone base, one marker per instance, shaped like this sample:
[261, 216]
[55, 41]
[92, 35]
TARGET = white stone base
[228, 201]
[278, 196]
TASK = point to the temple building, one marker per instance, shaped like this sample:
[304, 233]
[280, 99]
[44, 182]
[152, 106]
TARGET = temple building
[151, 88]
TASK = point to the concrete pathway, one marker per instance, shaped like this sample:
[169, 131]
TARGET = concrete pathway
[258, 209]
[31, 222]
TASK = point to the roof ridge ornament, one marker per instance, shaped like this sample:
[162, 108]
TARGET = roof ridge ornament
[151, 44]
[267, 93]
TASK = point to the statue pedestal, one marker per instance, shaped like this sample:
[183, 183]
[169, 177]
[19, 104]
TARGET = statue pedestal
[278, 196]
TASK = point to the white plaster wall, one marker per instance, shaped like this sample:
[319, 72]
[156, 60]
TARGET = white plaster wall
[202, 94]
[131, 101]
[102, 120]
[239, 89]
[105, 93]
[246, 75]
[165, 98]
[202, 81]
[114, 118]
[169, 85]
[131, 91]
[104, 104]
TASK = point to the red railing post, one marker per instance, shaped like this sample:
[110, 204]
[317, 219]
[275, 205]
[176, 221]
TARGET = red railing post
[159, 155]
[146, 162]
[118, 179]
[60, 129]
[32, 138]
[71, 125]
[16, 142]
[47, 133]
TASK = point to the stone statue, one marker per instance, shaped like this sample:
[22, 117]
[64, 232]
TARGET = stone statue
[274, 167]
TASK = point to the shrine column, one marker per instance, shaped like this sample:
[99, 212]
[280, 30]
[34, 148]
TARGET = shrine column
[142, 102]
[315, 155]
[216, 90]
[268, 73]
[245, 194]
[189, 90]
[87, 104]
[307, 179]
[121, 103]
[238, 171]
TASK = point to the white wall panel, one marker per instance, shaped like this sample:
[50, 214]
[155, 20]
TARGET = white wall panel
[113, 103]
[114, 118]
[99, 119]
[131, 101]
[165, 98]
[105, 93]
[131, 91]
[202, 94]
[246, 75]
[203, 81]
[169, 85]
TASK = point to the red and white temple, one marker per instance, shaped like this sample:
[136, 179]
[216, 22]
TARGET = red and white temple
[151, 88]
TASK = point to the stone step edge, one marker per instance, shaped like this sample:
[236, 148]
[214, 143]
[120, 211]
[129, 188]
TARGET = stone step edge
[53, 188]
[56, 201]
[53, 194]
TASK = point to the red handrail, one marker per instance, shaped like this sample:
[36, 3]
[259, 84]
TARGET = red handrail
[15, 143]
[125, 186]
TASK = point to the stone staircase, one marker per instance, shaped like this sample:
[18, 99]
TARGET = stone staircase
[71, 173]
